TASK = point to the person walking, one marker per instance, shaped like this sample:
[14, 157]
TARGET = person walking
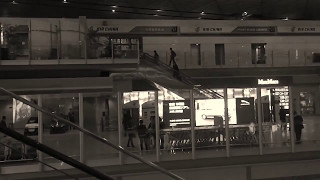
[172, 56]
[128, 127]
[143, 135]
[298, 126]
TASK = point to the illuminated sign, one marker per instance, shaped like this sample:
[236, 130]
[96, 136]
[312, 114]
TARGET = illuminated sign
[244, 103]
[176, 122]
[267, 81]
[177, 107]
[208, 29]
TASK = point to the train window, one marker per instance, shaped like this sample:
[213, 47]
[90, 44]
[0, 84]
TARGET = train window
[196, 53]
[258, 53]
[220, 54]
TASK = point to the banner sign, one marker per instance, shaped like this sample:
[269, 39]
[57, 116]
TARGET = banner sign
[134, 30]
[255, 29]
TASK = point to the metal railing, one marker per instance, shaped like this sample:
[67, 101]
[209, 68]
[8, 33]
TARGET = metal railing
[36, 159]
[103, 140]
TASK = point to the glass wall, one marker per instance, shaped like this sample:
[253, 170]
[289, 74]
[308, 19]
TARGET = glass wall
[243, 123]
[306, 121]
[275, 119]
[210, 139]
[59, 135]
[100, 117]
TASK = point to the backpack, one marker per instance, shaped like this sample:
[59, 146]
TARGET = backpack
[173, 54]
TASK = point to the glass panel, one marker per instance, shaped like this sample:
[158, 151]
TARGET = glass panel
[139, 138]
[14, 39]
[243, 123]
[175, 129]
[275, 119]
[306, 121]
[59, 135]
[71, 39]
[210, 129]
[100, 117]
[23, 119]
[44, 39]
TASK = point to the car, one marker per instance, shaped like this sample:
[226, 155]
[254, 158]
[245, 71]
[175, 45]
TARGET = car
[57, 127]
[31, 127]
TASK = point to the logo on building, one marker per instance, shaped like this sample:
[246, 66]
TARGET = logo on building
[267, 81]
[244, 103]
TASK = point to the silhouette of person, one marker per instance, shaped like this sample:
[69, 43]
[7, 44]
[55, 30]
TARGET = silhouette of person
[298, 126]
[172, 56]
[156, 56]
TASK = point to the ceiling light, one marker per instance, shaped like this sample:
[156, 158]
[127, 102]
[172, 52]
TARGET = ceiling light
[65, 2]
[113, 10]
[286, 19]
[155, 15]
[202, 13]
[159, 10]
[114, 6]
[14, 2]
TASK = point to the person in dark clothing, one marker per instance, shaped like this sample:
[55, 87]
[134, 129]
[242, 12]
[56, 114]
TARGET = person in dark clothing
[282, 114]
[298, 126]
[156, 56]
[176, 72]
[172, 56]
[128, 127]
[143, 135]
[3, 122]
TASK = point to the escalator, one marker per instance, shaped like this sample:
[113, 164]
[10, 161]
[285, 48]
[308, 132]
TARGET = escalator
[148, 63]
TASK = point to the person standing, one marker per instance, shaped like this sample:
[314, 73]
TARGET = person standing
[128, 127]
[143, 135]
[298, 126]
[282, 114]
[156, 56]
[172, 56]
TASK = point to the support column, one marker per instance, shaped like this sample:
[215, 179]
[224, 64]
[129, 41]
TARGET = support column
[259, 119]
[292, 134]
[226, 124]
[156, 113]
[120, 102]
[40, 132]
[192, 123]
[82, 158]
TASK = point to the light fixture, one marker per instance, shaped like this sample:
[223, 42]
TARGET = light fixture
[113, 10]
[202, 13]
[244, 14]
[286, 19]
[114, 6]
[65, 2]
[159, 10]
[14, 2]
[155, 15]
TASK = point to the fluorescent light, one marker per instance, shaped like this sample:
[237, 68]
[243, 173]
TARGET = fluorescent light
[65, 2]
[113, 10]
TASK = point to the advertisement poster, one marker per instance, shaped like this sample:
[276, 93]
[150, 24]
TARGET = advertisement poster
[207, 110]
[176, 113]
[245, 110]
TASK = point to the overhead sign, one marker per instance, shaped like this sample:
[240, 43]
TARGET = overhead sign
[255, 29]
[134, 29]
[268, 81]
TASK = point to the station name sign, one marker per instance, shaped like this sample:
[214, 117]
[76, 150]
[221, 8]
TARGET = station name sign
[134, 29]
[268, 81]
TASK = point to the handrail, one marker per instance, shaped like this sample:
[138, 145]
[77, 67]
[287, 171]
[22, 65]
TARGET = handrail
[103, 140]
[36, 159]
[186, 79]
[54, 153]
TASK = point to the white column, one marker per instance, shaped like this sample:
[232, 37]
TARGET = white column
[156, 113]
[226, 117]
[192, 123]
[120, 102]
[82, 158]
[40, 131]
[292, 134]
[259, 119]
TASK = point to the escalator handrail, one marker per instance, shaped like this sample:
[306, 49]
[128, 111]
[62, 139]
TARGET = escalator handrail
[89, 133]
[36, 159]
[54, 153]
[186, 79]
